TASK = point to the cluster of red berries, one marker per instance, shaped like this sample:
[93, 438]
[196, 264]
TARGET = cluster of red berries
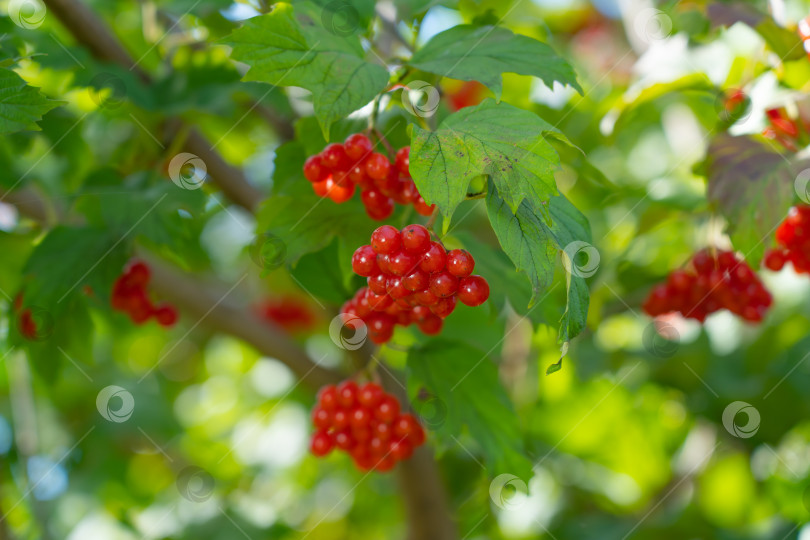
[340, 168]
[712, 283]
[288, 312]
[411, 279]
[129, 295]
[793, 237]
[366, 423]
[790, 133]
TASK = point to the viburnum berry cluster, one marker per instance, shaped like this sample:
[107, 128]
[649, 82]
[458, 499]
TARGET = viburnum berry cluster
[340, 168]
[793, 237]
[711, 282]
[130, 296]
[411, 279]
[365, 422]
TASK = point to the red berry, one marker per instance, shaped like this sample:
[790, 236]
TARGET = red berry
[444, 306]
[405, 425]
[377, 166]
[426, 297]
[473, 291]
[422, 207]
[402, 161]
[340, 419]
[386, 240]
[327, 398]
[703, 262]
[775, 260]
[138, 274]
[347, 394]
[370, 395]
[415, 239]
[321, 418]
[396, 289]
[408, 192]
[460, 263]
[334, 157]
[380, 328]
[357, 146]
[434, 259]
[359, 417]
[321, 189]
[400, 449]
[443, 284]
[431, 325]
[364, 262]
[378, 302]
[344, 440]
[387, 410]
[402, 263]
[377, 283]
[337, 192]
[314, 171]
[418, 280]
[321, 444]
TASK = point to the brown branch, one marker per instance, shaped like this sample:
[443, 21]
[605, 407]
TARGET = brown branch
[91, 31]
[214, 309]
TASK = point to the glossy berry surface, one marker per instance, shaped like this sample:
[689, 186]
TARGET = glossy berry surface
[365, 422]
[340, 170]
[711, 282]
[412, 282]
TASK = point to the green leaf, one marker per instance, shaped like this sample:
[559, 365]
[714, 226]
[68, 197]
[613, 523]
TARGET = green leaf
[306, 223]
[497, 139]
[465, 380]
[753, 187]
[533, 245]
[21, 106]
[284, 50]
[482, 53]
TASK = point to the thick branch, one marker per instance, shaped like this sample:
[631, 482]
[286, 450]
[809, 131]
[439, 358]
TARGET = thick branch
[92, 32]
[215, 310]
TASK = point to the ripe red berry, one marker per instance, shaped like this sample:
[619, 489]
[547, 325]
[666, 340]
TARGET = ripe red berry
[314, 171]
[377, 166]
[359, 417]
[386, 240]
[460, 263]
[402, 161]
[422, 207]
[321, 189]
[775, 260]
[347, 394]
[166, 315]
[434, 258]
[473, 291]
[321, 444]
[377, 283]
[418, 280]
[321, 418]
[402, 263]
[357, 146]
[337, 192]
[400, 449]
[364, 262]
[387, 410]
[443, 284]
[370, 395]
[431, 325]
[138, 274]
[444, 306]
[415, 239]
[334, 157]
[426, 297]
[327, 398]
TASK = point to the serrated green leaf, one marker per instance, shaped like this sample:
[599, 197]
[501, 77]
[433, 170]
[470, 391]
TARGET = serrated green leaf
[482, 53]
[284, 50]
[21, 106]
[506, 143]
[466, 381]
[753, 187]
[306, 223]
